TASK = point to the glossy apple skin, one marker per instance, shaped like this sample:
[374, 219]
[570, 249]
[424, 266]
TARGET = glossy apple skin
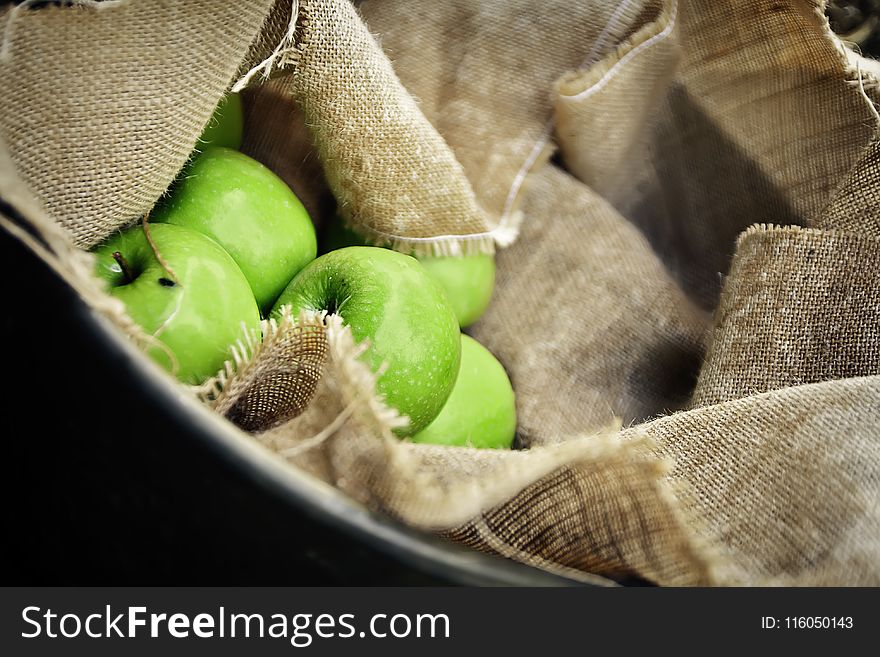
[481, 411]
[387, 298]
[468, 280]
[250, 212]
[226, 125]
[202, 315]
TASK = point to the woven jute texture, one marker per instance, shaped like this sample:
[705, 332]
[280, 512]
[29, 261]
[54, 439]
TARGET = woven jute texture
[272, 377]
[800, 306]
[483, 73]
[689, 316]
[856, 205]
[563, 507]
[757, 125]
[394, 177]
[103, 101]
[587, 320]
[787, 481]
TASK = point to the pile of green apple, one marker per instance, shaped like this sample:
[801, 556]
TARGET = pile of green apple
[231, 243]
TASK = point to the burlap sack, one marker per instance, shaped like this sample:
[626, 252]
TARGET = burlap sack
[681, 124]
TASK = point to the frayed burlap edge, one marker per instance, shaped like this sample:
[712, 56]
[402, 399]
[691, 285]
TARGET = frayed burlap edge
[345, 167]
[270, 379]
[583, 82]
[859, 71]
[345, 438]
[398, 484]
[445, 245]
[763, 228]
[283, 56]
[503, 235]
[219, 390]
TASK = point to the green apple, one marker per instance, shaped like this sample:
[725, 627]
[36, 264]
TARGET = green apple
[250, 212]
[197, 309]
[481, 411]
[225, 126]
[468, 280]
[388, 299]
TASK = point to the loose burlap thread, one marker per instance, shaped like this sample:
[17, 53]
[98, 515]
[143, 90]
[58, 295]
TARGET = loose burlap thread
[704, 271]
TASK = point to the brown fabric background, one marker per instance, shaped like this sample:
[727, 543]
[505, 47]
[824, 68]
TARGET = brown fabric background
[758, 125]
[482, 73]
[787, 482]
[276, 134]
[699, 264]
[587, 320]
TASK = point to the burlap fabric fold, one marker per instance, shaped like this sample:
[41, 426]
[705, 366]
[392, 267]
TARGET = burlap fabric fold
[855, 207]
[104, 101]
[394, 177]
[699, 265]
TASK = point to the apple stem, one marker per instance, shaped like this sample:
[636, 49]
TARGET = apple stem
[127, 274]
[165, 265]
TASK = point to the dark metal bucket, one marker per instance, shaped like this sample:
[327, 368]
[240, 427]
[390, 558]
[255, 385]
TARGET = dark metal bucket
[115, 479]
